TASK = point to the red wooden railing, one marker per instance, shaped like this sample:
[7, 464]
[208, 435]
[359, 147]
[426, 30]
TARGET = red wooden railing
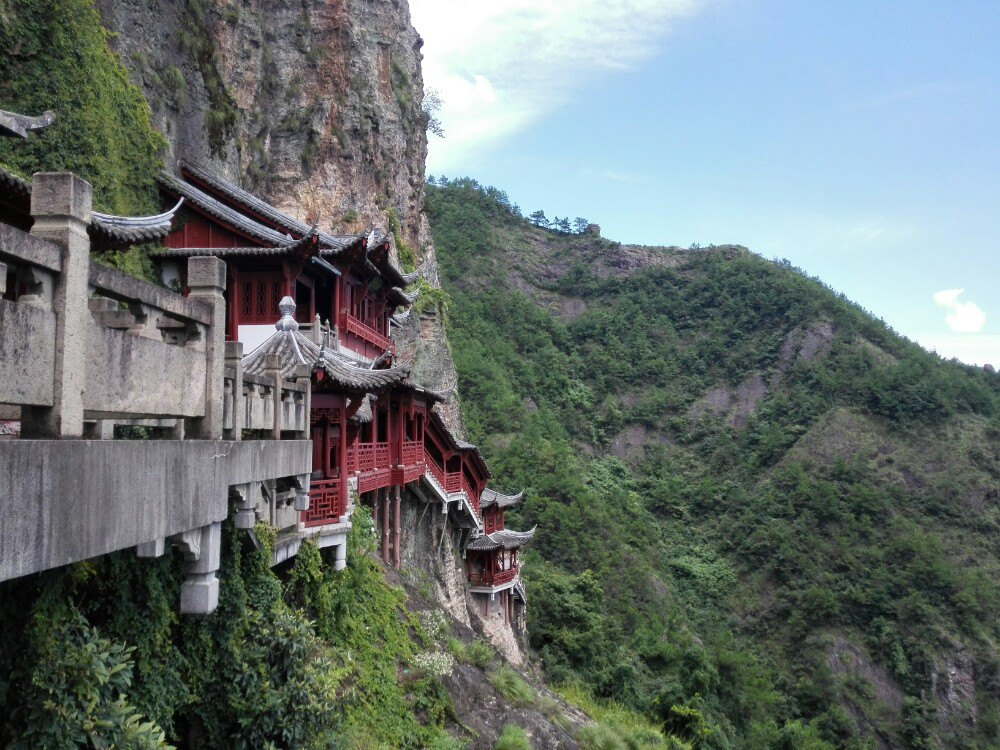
[470, 492]
[411, 452]
[366, 332]
[327, 503]
[436, 470]
[368, 457]
[493, 579]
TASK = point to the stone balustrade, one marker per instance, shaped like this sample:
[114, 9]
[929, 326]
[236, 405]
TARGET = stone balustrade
[84, 349]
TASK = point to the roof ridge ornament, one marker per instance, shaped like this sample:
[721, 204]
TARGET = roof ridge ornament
[287, 309]
[13, 125]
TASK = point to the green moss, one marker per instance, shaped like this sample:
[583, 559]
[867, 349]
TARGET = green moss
[56, 56]
[430, 297]
[407, 255]
[196, 39]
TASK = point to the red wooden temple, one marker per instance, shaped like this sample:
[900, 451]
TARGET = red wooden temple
[373, 431]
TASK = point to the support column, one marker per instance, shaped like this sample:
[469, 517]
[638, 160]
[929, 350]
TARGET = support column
[60, 205]
[155, 548]
[207, 282]
[303, 375]
[385, 525]
[272, 368]
[302, 483]
[395, 528]
[340, 557]
[200, 590]
[246, 505]
[234, 359]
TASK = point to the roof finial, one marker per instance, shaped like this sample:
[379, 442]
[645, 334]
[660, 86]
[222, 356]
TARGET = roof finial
[287, 309]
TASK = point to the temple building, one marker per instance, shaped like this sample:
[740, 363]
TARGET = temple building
[305, 319]
[376, 435]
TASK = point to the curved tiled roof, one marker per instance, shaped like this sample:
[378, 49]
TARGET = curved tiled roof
[222, 212]
[401, 298]
[13, 125]
[501, 540]
[492, 497]
[121, 230]
[364, 413]
[294, 349]
[11, 183]
[333, 243]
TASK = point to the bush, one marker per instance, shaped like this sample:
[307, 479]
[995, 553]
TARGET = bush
[509, 684]
[512, 738]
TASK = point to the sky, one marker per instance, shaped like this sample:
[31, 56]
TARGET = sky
[859, 140]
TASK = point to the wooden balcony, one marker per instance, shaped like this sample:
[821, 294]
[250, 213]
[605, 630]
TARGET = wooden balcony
[327, 502]
[498, 578]
[365, 457]
[366, 332]
[412, 453]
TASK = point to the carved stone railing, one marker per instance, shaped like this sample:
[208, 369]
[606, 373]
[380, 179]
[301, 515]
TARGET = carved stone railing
[263, 398]
[84, 348]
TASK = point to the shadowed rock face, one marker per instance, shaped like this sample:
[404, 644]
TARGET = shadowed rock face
[316, 106]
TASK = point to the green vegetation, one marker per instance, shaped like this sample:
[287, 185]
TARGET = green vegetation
[311, 659]
[616, 726]
[56, 57]
[512, 738]
[407, 255]
[195, 38]
[479, 653]
[509, 684]
[765, 520]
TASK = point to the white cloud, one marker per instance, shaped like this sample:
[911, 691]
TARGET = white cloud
[963, 317]
[503, 64]
[981, 349]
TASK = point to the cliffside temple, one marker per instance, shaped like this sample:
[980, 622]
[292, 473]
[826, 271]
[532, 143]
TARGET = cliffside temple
[263, 372]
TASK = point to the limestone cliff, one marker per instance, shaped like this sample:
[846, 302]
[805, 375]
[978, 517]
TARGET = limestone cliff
[313, 104]
[317, 107]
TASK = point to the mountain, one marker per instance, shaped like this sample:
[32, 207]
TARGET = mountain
[764, 519]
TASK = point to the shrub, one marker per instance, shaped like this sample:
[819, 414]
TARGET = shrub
[434, 663]
[434, 622]
[509, 684]
[512, 738]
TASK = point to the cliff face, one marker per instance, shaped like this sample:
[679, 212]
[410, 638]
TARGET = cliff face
[313, 104]
[316, 106]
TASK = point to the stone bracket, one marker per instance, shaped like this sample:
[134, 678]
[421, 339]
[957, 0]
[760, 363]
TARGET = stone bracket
[202, 549]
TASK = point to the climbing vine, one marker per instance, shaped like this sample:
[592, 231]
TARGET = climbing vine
[312, 658]
[56, 57]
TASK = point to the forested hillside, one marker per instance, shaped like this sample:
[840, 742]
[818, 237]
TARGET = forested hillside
[764, 519]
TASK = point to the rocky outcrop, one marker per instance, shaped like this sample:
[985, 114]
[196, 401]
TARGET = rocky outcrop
[314, 105]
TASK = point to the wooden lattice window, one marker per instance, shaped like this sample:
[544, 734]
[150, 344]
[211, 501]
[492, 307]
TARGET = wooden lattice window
[260, 294]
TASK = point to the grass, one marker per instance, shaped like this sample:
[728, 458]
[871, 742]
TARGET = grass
[512, 738]
[615, 727]
[509, 684]
[478, 653]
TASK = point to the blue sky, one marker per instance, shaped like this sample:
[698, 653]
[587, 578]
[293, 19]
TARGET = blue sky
[860, 140]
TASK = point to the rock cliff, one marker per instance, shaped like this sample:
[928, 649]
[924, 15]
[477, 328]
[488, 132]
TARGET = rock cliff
[317, 107]
[313, 104]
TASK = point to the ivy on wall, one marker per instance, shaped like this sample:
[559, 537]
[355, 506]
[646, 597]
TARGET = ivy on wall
[56, 57]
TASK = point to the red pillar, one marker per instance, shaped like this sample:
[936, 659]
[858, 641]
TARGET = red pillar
[395, 522]
[385, 525]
